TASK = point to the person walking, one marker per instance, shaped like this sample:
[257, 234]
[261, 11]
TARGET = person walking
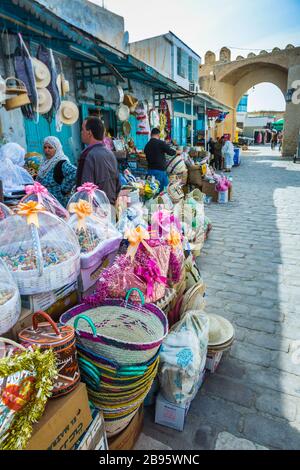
[97, 164]
[57, 174]
[280, 140]
[156, 151]
[274, 140]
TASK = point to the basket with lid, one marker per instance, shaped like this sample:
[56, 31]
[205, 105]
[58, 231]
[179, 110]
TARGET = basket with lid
[10, 301]
[62, 340]
[98, 200]
[40, 250]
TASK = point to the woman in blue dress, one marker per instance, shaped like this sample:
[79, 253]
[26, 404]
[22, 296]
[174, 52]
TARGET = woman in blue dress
[56, 173]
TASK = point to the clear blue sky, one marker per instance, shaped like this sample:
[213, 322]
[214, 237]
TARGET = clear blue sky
[211, 24]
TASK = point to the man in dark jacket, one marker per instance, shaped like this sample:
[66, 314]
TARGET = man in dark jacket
[97, 164]
[156, 151]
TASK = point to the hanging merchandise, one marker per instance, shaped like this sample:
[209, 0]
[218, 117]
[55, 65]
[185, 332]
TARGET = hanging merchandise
[153, 118]
[131, 102]
[18, 90]
[115, 95]
[126, 128]
[10, 301]
[41, 73]
[45, 101]
[38, 193]
[42, 252]
[45, 56]
[61, 339]
[2, 90]
[26, 382]
[165, 117]
[123, 113]
[68, 113]
[143, 127]
[25, 72]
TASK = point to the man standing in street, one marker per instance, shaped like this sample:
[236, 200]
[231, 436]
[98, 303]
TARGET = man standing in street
[97, 164]
[155, 151]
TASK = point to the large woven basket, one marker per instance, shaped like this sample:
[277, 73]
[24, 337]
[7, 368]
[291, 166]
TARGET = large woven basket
[10, 312]
[123, 332]
[52, 277]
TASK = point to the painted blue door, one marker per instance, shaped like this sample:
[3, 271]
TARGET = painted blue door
[139, 140]
[183, 131]
[36, 133]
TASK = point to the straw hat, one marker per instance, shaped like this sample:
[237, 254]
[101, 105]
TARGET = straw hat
[123, 112]
[194, 298]
[62, 84]
[126, 128]
[221, 331]
[131, 102]
[45, 100]
[42, 73]
[68, 112]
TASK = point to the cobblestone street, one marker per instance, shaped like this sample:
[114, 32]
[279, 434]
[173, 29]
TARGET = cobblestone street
[250, 265]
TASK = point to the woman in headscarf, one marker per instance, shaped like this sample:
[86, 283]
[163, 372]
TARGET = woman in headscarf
[228, 154]
[57, 174]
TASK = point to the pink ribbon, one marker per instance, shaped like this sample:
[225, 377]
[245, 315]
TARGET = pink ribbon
[36, 188]
[89, 188]
[150, 275]
[166, 221]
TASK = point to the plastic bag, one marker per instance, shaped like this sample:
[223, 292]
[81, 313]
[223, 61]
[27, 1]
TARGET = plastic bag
[13, 152]
[4, 211]
[182, 357]
[40, 194]
[13, 177]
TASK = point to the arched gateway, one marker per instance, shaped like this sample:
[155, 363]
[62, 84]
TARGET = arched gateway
[228, 80]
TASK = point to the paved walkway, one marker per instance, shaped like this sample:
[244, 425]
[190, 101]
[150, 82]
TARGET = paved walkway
[251, 267]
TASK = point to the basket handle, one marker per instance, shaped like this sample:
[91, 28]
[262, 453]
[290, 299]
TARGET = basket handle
[87, 319]
[13, 343]
[138, 291]
[35, 321]
[37, 249]
[17, 80]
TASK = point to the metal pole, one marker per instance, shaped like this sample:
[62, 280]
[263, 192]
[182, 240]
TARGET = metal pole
[192, 125]
[205, 125]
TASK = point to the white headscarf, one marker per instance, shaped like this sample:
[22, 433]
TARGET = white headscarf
[59, 155]
[13, 176]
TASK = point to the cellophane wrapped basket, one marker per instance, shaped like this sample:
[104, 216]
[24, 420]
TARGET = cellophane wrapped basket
[10, 301]
[41, 250]
[98, 200]
[38, 193]
[4, 211]
[94, 234]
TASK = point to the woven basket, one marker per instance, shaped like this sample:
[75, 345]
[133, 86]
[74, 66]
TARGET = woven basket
[121, 331]
[10, 312]
[116, 426]
[194, 298]
[52, 277]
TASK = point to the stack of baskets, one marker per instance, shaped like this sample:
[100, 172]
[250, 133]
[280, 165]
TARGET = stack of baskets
[118, 344]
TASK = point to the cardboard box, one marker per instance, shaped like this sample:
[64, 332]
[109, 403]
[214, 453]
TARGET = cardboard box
[95, 436]
[126, 439]
[169, 414]
[209, 190]
[64, 421]
[89, 276]
[55, 311]
[45, 300]
[213, 360]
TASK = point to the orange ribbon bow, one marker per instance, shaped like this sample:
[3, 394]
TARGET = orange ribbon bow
[174, 239]
[30, 210]
[136, 236]
[82, 209]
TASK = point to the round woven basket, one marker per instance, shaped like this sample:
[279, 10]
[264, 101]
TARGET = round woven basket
[10, 312]
[123, 332]
[116, 426]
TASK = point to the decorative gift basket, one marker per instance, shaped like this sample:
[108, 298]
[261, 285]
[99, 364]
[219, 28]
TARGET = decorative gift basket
[4, 211]
[98, 200]
[94, 234]
[10, 302]
[40, 250]
[38, 193]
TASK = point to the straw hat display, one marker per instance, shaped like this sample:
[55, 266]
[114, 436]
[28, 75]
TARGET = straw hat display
[221, 333]
[18, 90]
[194, 298]
[41, 72]
[123, 113]
[68, 113]
[45, 101]
[63, 85]
[131, 102]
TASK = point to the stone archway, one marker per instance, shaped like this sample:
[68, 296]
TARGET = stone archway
[228, 80]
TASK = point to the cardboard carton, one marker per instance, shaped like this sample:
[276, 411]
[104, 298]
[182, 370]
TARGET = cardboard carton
[45, 300]
[95, 436]
[170, 414]
[209, 190]
[213, 360]
[64, 421]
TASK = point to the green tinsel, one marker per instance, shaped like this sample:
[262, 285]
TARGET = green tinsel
[43, 366]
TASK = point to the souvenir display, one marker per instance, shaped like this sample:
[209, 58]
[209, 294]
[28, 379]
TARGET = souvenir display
[40, 250]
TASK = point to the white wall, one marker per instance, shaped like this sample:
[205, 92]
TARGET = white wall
[155, 52]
